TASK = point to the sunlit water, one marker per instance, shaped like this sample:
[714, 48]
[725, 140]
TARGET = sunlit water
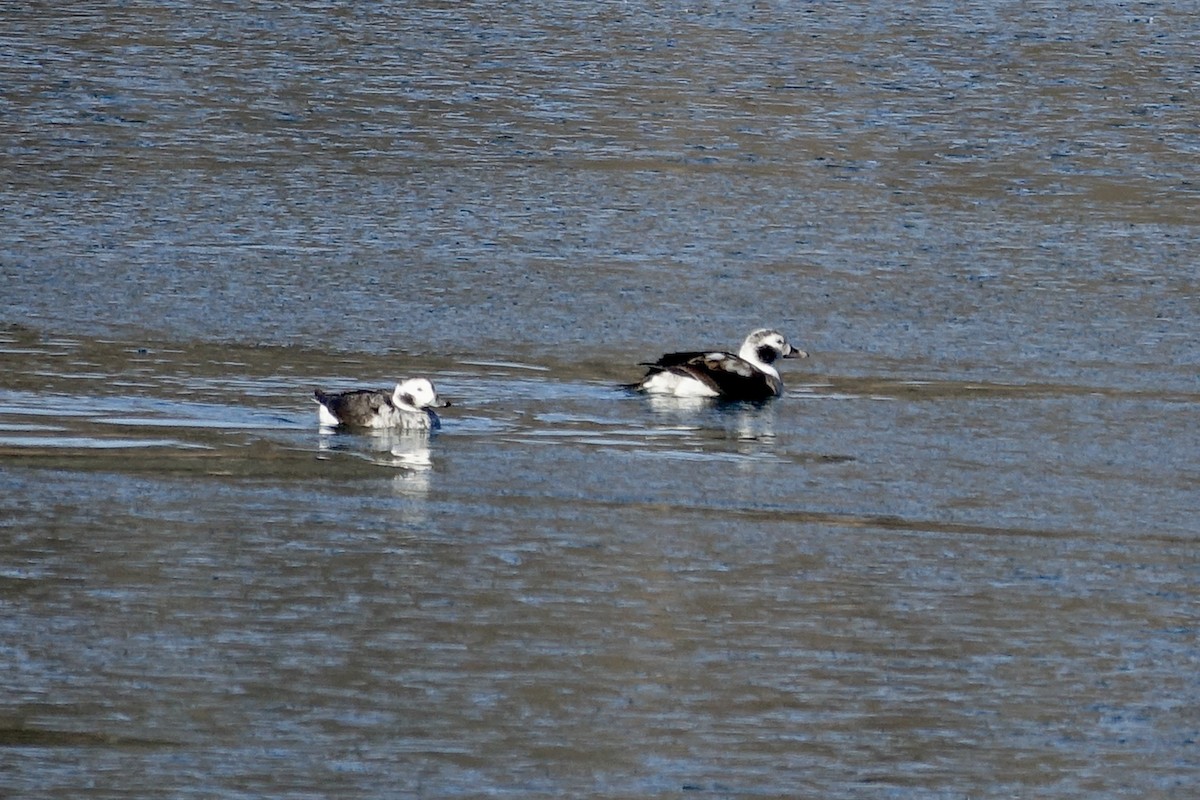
[956, 559]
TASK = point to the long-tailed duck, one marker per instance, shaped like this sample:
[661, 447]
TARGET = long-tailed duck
[747, 376]
[409, 406]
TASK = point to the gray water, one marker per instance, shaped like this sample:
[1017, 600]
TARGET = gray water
[956, 559]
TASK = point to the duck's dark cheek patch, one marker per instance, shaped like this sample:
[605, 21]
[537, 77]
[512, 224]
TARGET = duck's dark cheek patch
[766, 354]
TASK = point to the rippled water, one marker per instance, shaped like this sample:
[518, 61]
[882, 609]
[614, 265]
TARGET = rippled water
[957, 558]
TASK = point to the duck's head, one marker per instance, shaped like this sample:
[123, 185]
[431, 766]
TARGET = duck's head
[417, 393]
[764, 346]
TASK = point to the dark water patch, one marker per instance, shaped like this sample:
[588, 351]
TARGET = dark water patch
[32, 737]
[912, 389]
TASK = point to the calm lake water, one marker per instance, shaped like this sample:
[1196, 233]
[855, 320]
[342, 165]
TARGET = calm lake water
[957, 559]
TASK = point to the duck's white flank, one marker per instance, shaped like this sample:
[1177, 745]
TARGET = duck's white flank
[326, 417]
[676, 385]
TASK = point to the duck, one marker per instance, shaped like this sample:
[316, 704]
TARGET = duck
[408, 407]
[748, 376]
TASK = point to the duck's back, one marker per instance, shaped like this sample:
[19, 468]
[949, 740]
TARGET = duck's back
[364, 408]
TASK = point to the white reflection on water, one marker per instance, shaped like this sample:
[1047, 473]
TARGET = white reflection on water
[743, 421]
[408, 452]
[403, 449]
[671, 405]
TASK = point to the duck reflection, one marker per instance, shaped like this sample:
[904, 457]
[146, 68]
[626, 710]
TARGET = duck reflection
[751, 422]
[670, 405]
[749, 426]
[406, 450]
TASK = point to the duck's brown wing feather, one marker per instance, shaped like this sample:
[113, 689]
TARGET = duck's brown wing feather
[676, 359]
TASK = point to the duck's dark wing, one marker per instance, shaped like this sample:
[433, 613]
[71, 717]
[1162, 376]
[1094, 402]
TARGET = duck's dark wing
[731, 377]
[675, 359]
[355, 407]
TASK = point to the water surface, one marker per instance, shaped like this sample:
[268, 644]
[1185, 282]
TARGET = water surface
[957, 558]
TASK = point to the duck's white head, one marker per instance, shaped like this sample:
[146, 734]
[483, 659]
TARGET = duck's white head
[764, 346]
[416, 394]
